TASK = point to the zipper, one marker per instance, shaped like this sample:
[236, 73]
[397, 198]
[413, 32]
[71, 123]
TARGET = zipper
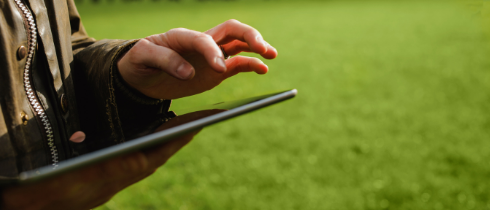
[31, 94]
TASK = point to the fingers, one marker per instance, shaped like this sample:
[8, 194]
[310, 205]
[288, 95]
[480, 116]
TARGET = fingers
[184, 41]
[233, 29]
[78, 137]
[239, 64]
[159, 155]
[251, 40]
[148, 59]
[138, 165]
[237, 46]
[165, 51]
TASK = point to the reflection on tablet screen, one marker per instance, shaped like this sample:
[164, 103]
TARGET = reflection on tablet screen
[227, 105]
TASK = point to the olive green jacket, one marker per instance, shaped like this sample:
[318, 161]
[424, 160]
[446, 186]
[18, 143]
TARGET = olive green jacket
[54, 81]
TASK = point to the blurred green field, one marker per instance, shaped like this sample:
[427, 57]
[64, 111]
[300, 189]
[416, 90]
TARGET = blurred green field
[392, 111]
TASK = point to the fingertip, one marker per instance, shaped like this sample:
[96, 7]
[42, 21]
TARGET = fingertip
[261, 47]
[263, 69]
[271, 53]
[260, 67]
[78, 137]
[221, 64]
[274, 52]
[185, 71]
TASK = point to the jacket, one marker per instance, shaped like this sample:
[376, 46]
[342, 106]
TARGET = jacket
[56, 80]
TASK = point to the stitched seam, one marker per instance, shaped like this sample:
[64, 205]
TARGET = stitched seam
[112, 97]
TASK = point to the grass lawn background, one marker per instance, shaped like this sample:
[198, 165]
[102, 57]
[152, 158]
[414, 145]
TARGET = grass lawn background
[392, 111]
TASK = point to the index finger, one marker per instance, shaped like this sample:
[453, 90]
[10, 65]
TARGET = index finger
[185, 41]
[233, 29]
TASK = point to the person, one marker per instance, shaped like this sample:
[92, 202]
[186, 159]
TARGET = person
[64, 94]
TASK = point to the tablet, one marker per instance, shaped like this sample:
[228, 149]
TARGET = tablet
[193, 119]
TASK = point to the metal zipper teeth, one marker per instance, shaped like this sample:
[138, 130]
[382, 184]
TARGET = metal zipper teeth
[31, 95]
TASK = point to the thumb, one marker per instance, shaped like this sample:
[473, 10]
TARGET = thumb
[147, 59]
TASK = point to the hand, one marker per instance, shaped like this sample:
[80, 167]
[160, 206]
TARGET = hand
[92, 186]
[183, 62]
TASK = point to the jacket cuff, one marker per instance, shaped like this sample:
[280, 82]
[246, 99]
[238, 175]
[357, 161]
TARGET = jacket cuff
[124, 87]
[108, 114]
[139, 114]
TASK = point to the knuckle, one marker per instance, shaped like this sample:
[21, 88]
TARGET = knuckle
[133, 56]
[177, 30]
[149, 40]
[138, 47]
[136, 162]
[203, 37]
[251, 32]
[173, 61]
[232, 22]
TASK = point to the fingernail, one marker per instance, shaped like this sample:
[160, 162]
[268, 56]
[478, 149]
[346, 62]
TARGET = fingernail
[78, 137]
[266, 69]
[273, 48]
[221, 62]
[184, 70]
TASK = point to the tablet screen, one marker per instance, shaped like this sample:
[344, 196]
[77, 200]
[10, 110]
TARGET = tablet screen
[226, 105]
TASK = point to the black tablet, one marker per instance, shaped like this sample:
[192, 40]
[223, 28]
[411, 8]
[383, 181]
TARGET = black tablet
[200, 118]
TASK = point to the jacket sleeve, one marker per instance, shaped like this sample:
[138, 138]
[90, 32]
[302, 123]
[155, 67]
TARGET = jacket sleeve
[110, 111]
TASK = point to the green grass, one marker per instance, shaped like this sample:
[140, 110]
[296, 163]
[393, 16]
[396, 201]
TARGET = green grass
[392, 112]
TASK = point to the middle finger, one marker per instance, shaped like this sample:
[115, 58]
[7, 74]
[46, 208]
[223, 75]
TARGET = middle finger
[235, 47]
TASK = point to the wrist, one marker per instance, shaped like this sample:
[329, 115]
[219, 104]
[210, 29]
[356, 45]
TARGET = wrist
[132, 93]
[121, 85]
[122, 52]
